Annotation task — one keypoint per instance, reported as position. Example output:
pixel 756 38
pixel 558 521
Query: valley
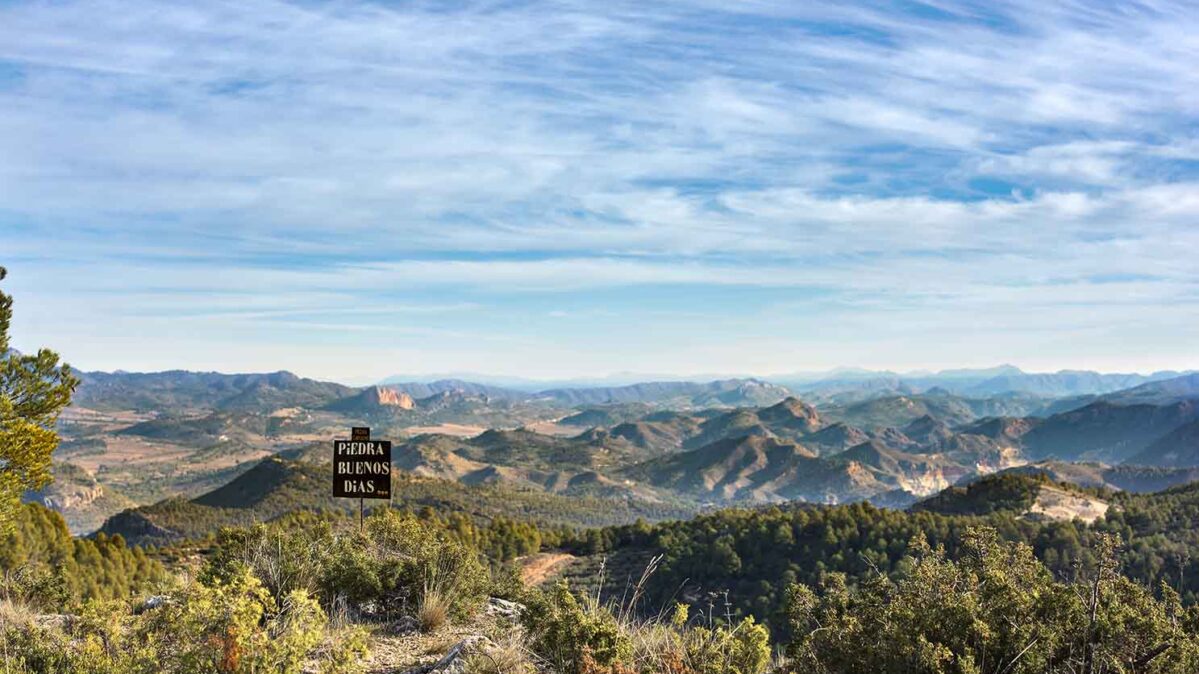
pixel 662 450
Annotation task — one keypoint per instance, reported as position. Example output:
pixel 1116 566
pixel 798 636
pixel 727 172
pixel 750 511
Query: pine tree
pixel 34 389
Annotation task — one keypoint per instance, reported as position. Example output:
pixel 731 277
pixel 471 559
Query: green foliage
pixel 101 568
pixel 585 637
pixel 409 556
pixel 502 521
pixel 571 636
pixel 390 565
pixel 217 628
pixel 233 627
pixel 33 390
pixel 996 609
pixel 753 554
pixel 1010 492
pixel 743 648
pixel 35 586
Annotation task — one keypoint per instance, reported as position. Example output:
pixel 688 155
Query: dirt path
pixel 537 569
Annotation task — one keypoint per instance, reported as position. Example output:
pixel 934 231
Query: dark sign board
pixel 361 466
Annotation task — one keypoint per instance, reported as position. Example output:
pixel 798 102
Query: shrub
pixel 743 648
pixel 391 562
pixel 571 636
pixel 37 586
pixel 29 648
pixel 285 558
pixel 235 627
pixel 996 604
pixel 403 556
pixel 231 626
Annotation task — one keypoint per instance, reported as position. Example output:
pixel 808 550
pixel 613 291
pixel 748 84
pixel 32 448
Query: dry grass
pixel 434 610
pixel 15 613
pixel 507 656
pixel 439 645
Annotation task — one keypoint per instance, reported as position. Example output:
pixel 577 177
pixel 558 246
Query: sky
pixel 354 190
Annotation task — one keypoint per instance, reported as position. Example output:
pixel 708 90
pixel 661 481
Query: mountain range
pixel 136 439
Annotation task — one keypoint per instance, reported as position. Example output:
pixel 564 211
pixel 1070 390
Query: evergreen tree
pixel 34 389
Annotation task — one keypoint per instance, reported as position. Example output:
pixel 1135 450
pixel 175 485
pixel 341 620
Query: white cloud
pixel 234 156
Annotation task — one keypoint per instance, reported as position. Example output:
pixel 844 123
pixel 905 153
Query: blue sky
pixel 550 189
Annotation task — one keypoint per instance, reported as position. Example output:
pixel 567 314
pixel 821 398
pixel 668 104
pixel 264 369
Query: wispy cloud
pixel 270 165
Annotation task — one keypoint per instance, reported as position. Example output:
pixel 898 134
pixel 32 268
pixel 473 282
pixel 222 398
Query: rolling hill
pixel 1104 431
pixel 1031 496
pixel 180 390
pixel 276 486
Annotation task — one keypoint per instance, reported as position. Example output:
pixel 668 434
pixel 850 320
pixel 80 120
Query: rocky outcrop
pixel 137 529
pixel 385 397
pixel 456 658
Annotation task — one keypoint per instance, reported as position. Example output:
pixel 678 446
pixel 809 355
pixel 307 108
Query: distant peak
pixel 385 397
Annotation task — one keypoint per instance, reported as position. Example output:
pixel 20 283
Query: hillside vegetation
pixel 279 486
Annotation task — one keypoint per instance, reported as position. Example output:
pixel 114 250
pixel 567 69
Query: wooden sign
pixel 361 466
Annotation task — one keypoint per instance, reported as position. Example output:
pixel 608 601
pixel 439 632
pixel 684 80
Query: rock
pixel 405 625
pixel 454 661
pixel 153 602
pixel 54 620
pixel 385 397
pixel 504 608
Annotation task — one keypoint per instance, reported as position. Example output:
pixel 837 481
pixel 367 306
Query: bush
pixel 409 557
pixel 285 558
pixel 392 563
pixel 583 637
pixel 743 648
pixel 232 626
pixel 36 586
pixel 996 604
pixel 572 637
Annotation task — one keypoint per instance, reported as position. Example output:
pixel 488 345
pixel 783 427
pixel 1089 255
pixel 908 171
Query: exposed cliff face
pixel 374 399
pixel 386 397
pixel 76 495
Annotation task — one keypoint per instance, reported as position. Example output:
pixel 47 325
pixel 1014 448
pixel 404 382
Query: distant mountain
pixel 181 390
pixel 1163 392
pixel 899 410
pixel 1126 477
pixel 1001 428
pixel 749 467
pixel 835 438
pixel 757 468
pixel 1103 431
pixel 843 388
pixel 727 392
pixel 665 431
pixel 1177 449
pixel 372 400
pixel 607 415
pixel 789 419
pixel 1063 383
pixel 201 431
pixel 418 390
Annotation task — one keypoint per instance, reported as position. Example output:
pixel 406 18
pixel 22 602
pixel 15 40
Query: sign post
pixel 361 469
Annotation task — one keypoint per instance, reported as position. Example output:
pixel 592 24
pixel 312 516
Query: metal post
pixel 360 515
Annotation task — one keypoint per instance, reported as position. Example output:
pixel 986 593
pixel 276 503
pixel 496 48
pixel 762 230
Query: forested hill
pixel 73 568
pixel 278 486
pixel 755 553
